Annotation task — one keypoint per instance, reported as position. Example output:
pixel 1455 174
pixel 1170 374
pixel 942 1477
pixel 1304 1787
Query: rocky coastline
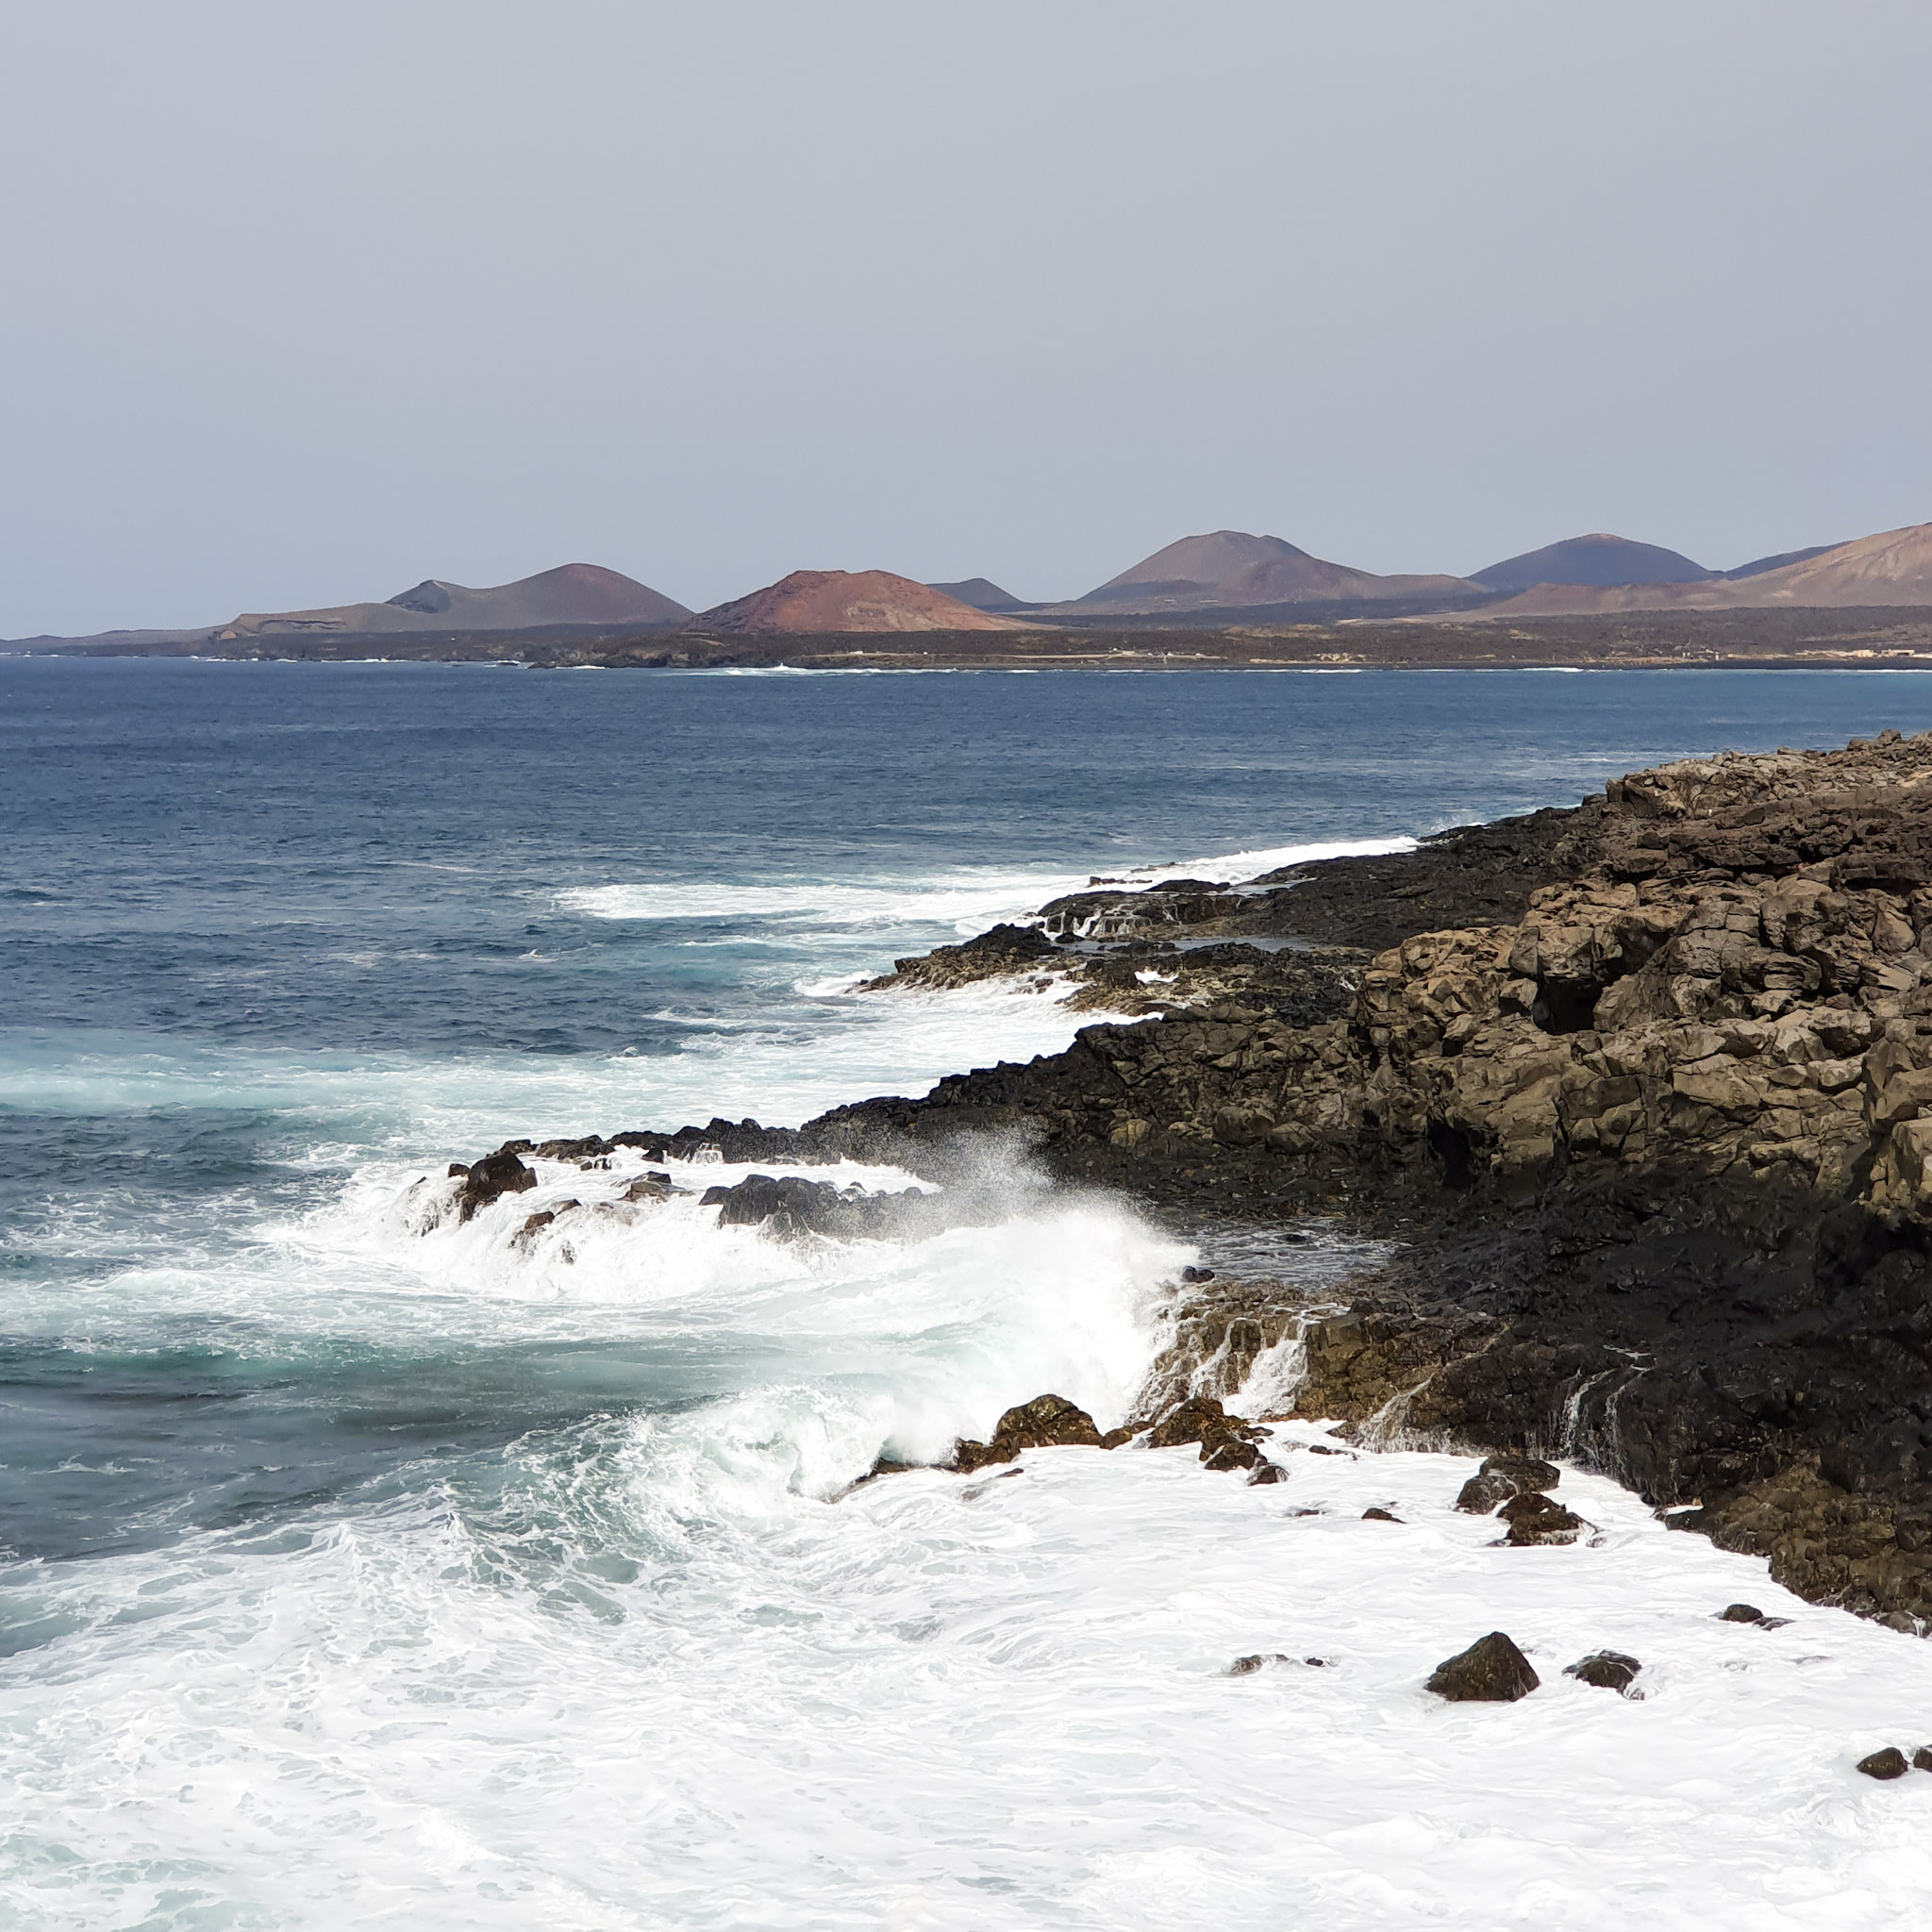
pixel 1638 1093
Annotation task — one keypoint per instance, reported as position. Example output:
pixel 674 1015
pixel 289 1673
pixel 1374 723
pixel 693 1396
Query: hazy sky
pixel 305 303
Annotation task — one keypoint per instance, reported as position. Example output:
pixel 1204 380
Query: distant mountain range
pixel 1221 578
pixel 1893 568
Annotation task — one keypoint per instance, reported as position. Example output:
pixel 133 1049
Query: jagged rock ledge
pixel 1645 1087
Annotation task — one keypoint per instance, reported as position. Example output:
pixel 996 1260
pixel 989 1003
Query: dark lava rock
pixel 650 1187
pixel 1481 1494
pixel 1608 1670
pixel 1229 1451
pixel 1921 1757
pixel 1535 1519
pixel 1197 1275
pixel 537 1221
pixel 491 1177
pixel 1379 1516
pixel 1525 1472
pixel 1047 1421
pixel 1490 1671
pixel 1267 1473
pixel 1888 1763
pixel 1741 1613
pixel 790 1204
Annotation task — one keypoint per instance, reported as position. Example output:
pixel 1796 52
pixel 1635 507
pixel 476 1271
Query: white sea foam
pixel 650 1680
pixel 968 898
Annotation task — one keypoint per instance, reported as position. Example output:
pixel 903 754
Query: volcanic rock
pixel 1047 1421
pixel 487 1179
pixel 1887 1763
pixel 1490 1671
pixel 1535 1519
pixel 1608 1670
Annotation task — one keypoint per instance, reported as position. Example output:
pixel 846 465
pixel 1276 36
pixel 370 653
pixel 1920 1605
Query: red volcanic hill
pixel 841 600
pixel 571 594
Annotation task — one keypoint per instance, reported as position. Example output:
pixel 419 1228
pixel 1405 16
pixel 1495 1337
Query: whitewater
pixel 363 1568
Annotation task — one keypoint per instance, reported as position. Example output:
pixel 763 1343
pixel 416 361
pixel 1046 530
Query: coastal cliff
pixel 1641 1092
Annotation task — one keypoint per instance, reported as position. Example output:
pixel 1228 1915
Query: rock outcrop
pixel 1490 1671
pixel 1643 1088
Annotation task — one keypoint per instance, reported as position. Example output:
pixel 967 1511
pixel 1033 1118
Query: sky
pixel 303 305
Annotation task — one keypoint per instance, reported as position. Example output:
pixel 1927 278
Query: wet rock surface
pixel 1607 1670
pixel 1490 1671
pixel 1887 1763
pixel 1047 1421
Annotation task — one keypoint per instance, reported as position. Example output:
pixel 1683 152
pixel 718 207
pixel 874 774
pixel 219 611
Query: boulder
pixel 1741 1613
pixel 1608 1670
pixel 1887 1763
pixel 1921 1757
pixel 489 1179
pixel 1525 1472
pixel 1047 1421
pixel 1267 1473
pixel 1535 1519
pixel 1378 1515
pixel 1481 1494
pixel 1490 1671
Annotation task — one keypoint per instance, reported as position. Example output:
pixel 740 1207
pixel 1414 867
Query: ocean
pixel 361 1569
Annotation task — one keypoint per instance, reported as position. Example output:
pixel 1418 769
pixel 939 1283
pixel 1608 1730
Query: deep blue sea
pixel 357 1569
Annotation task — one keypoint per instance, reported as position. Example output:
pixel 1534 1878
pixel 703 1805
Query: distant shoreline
pixel 1855 638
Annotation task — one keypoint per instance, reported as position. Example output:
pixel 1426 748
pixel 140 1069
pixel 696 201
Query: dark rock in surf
pixel 1380 1515
pixel 1247 1666
pixel 1535 1519
pixel 1527 1473
pixel 1741 1613
pixel 1887 1763
pixel 1607 1670
pixel 1490 1671
pixel 790 1204
pixel 1047 1421
pixel 1921 1757
pixel 1267 1473
pixel 1192 1421
pixel 1481 1494
pixel 490 1178
pixel 1229 1451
